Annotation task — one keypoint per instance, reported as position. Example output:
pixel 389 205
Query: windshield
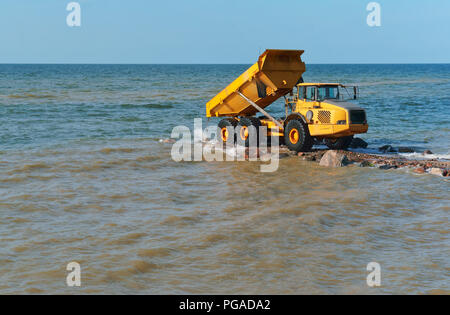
pixel 327 92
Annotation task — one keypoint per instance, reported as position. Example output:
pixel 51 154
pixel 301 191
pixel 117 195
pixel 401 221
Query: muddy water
pixel 83 177
pixel 138 222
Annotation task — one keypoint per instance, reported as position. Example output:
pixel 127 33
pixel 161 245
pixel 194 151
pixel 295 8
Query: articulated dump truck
pixel 313 111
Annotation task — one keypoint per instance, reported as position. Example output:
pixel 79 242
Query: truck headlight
pixel 342 122
pixel 309 115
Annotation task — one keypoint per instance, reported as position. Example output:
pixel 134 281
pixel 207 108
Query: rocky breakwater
pixel 387 157
pixel 386 160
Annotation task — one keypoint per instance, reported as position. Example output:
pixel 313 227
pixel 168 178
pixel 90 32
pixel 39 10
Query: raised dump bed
pixel 273 76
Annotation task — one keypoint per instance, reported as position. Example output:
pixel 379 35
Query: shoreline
pixel 342 158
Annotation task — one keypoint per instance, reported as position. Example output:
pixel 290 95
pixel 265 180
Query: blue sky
pixel 223 31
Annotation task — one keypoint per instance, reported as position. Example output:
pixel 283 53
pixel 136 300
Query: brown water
pixel 138 222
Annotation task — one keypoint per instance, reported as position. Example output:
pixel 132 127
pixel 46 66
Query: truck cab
pixel 329 112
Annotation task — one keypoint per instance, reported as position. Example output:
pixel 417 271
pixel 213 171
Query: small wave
pixel 147 158
pixel 141 266
pixel 438 292
pixel 392 82
pixel 127 239
pixel 149 106
pixel 31 167
pixel 176 220
pixel 95 166
pixel 28 96
pixel 154 252
pixel 21 248
pixel 13 179
pixel 117 150
pixel 214 238
pixel 20 220
pixel 34 290
pixel 134 267
pixel 421 156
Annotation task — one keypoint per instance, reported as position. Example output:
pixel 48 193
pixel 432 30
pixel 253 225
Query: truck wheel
pixel 245 132
pixel 297 137
pixel 255 122
pixel 226 129
pixel 339 143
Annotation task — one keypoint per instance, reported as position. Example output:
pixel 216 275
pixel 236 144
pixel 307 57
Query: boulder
pixel 358 143
pixel 405 150
pixel 366 164
pixel 333 158
pixel 427 152
pixel 438 171
pixel 387 149
pixel 309 158
pixel 386 167
pixel 419 170
pixel 283 149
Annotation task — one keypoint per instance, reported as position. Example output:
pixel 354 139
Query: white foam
pixel 421 156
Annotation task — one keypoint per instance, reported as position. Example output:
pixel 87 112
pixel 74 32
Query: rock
pixel 168 141
pixel 333 158
pixel 366 164
pixel 309 158
pixel 427 152
pixel 438 171
pixel 386 149
pixel 386 167
pixel 300 153
pixel 283 149
pixel 319 156
pixel 419 170
pixel 358 143
pixel 405 150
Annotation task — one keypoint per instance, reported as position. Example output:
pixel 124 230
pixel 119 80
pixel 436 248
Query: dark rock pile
pixel 340 158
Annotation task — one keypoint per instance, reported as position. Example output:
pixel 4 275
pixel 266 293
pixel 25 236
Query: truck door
pixel 311 96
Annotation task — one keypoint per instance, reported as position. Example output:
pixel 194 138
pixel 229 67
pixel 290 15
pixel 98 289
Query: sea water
pixel 86 176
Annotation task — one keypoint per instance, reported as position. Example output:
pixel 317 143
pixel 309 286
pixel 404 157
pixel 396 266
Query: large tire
pixel 244 132
pixel 339 143
pixel 227 129
pixel 255 121
pixel 297 137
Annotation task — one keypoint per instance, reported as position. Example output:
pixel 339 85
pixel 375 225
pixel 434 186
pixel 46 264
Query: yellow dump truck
pixel 320 111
